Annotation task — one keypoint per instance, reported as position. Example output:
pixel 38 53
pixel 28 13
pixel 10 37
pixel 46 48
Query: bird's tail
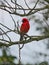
pixel 21 37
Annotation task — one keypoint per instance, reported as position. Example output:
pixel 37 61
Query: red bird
pixel 24 27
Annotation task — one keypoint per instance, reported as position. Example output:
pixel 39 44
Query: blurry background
pixel 35 52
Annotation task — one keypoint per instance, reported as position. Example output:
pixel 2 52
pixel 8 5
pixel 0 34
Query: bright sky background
pixel 30 51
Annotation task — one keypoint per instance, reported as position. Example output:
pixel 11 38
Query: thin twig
pixel 26 9
pixel 25 14
pixel 26 4
pixel 5 34
pixel 7 3
pixel 14 22
pixel 19 55
pixel 18 6
pixel 33 38
pixel 15 6
pixel 19 45
pixel 33 7
pixel 5 26
pixel 46 23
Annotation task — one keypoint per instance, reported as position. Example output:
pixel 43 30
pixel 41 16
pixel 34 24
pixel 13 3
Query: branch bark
pixel 31 38
pixel 14 10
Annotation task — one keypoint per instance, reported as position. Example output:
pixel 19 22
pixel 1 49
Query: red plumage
pixel 24 27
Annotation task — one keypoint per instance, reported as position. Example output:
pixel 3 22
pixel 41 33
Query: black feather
pixel 21 37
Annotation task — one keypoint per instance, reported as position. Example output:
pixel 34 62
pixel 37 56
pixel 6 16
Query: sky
pixel 29 52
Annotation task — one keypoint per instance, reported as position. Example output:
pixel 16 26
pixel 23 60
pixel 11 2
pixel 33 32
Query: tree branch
pixel 31 11
pixel 13 10
pixel 31 38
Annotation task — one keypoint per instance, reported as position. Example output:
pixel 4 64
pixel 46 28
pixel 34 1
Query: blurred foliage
pixel 43 27
pixel 44 63
pixel 47 1
pixel 6 59
pixel 46 15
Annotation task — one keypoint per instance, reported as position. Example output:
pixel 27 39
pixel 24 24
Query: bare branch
pixel 13 10
pixel 32 38
pixel 18 6
pixel 14 22
pixel 34 10
pixel 5 26
pixel 7 3
pixel 33 7
pixel 26 4
pixel 5 34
